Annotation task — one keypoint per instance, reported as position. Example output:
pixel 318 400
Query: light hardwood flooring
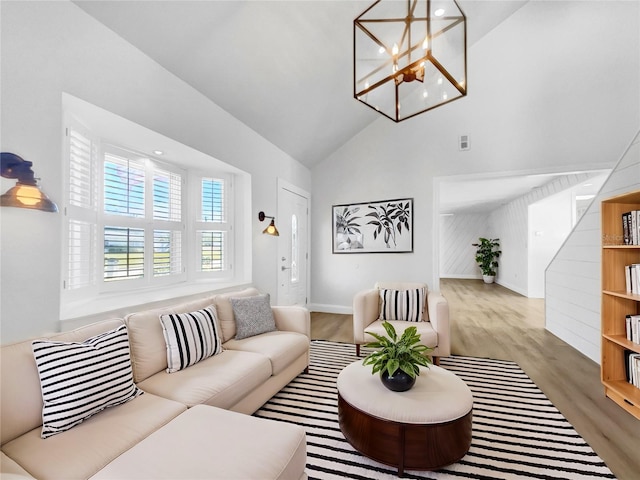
pixel 493 322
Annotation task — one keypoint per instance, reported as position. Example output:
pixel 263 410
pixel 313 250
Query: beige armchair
pixel 433 329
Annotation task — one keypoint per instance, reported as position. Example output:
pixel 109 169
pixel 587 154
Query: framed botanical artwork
pixel 373 227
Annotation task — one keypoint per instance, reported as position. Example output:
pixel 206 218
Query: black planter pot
pixel 398 382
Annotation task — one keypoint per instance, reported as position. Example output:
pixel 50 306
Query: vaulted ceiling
pixel 284 68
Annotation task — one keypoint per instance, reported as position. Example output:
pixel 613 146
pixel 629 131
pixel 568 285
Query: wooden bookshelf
pixel 617 302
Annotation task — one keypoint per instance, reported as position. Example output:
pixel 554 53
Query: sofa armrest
pixel 292 319
pixel 366 310
pixel 438 309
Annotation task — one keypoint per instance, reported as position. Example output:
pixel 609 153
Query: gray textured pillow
pixel 253 316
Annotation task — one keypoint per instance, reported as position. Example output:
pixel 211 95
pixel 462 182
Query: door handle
pixel 283 268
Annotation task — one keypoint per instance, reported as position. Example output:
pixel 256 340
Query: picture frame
pixel 384 226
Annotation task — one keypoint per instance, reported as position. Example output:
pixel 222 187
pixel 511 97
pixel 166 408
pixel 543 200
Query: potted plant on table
pixel 487 254
pixel 398 360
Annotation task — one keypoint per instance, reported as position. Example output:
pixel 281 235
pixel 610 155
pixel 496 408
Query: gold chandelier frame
pixel 421 51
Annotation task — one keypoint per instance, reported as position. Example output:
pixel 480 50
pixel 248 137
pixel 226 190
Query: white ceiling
pixel 284 68
pixel 474 195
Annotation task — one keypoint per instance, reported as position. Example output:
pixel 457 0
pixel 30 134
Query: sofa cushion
pixel 190 337
pixel 402 304
pixel 80 379
pixel 88 447
pixel 148 346
pixel 215 443
pixel 282 348
pixel 253 315
pixel 221 380
pixel 428 336
pixel 11 470
pixel 225 310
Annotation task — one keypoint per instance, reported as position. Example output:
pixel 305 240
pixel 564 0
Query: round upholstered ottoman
pixel 425 428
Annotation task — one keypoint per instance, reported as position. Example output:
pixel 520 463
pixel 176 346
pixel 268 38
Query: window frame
pixel 199 225
pixel 147 222
pixel 97 219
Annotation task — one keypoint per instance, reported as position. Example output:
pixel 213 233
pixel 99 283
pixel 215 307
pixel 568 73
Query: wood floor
pixel 493 322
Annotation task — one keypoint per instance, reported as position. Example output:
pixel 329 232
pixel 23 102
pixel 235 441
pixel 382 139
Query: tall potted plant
pixel 487 254
pixel 398 360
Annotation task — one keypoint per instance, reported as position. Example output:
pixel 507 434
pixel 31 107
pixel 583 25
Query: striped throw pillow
pixel 191 337
pixel 402 304
pixel 80 379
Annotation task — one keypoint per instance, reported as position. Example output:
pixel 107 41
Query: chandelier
pixel 409 56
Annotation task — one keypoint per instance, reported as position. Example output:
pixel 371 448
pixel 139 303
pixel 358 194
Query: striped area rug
pixel 517 432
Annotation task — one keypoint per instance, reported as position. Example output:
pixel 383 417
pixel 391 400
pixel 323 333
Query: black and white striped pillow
pixel 191 337
pixel 402 304
pixel 80 379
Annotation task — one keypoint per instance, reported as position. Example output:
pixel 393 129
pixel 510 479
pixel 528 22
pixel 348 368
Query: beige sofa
pixel 434 328
pixel 188 424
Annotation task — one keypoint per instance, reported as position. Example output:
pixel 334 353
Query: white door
pixel 293 257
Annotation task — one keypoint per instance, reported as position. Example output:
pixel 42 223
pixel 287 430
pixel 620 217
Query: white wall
pixel 457 234
pixel 573 278
pixel 550 221
pixel 511 225
pixel 536 103
pixel 49 48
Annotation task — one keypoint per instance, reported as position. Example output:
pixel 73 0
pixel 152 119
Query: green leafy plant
pixel 405 353
pixel 487 255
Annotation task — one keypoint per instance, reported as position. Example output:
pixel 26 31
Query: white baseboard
pixel 461 276
pixel 513 288
pixel 316 307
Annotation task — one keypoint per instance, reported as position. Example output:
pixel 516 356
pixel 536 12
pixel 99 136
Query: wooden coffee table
pixel 425 428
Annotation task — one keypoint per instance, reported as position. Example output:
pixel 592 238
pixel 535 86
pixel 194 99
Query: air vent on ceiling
pixel 464 142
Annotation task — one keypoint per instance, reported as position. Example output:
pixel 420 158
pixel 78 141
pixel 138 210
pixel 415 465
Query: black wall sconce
pixel 271 229
pixel 25 193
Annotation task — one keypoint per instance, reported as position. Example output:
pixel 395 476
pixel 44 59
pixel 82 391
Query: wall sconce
pixel 271 229
pixel 25 193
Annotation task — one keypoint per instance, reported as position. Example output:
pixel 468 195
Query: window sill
pixel 117 305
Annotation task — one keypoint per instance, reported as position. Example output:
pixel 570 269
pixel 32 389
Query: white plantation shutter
pixel 167 252
pixel 212 204
pixel 167 196
pixel 167 206
pixel 213 228
pixel 124 186
pixel 123 253
pixel 81 170
pixel 81 248
pixel 80 213
pixel 212 251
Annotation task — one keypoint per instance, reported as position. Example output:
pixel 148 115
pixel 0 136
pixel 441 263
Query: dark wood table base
pixel 406 446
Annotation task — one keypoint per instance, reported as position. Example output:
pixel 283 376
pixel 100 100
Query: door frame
pixel 285 185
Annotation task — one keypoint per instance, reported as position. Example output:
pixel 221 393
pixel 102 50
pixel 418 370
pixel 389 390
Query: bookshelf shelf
pixel 622 294
pixel 617 302
pixel 623 342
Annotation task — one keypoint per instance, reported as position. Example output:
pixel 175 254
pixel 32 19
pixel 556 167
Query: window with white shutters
pixel 211 240
pixel 139 225
pixel 128 221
